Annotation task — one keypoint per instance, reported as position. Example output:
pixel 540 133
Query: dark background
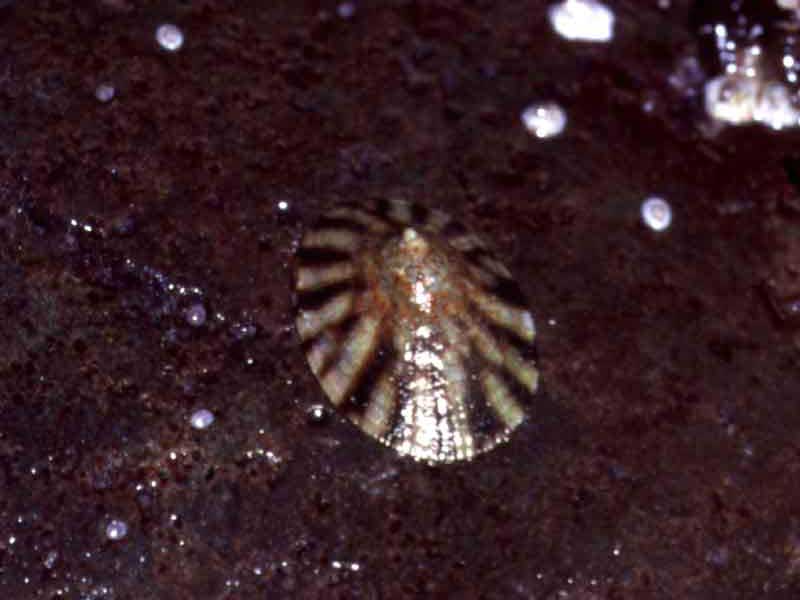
pixel 661 459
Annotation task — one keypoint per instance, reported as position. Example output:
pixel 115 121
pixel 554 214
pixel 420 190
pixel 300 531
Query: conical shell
pixel 414 329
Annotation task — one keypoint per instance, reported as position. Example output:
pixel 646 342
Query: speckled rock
pixel 660 458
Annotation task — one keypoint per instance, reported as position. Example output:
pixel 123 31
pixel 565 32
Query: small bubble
pixel 196 315
pixel 544 120
pixel 242 331
pixel 105 92
pixel 116 530
pixel 656 213
pixel 169 37
pixel 283 206
pixel 317 413
pixel 202 419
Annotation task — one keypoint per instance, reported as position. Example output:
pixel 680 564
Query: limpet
pixel 414 329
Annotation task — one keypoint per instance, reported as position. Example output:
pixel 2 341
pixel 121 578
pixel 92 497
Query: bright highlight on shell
pixel 415 331
pixel 544 120
pixel 656 213
pixel 582 20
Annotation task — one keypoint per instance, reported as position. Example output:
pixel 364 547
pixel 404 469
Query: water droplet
pixel 202 419
pixel 243 331
pixel 169 37
pixel 105 92
pixel 196 315
pixel 116 530
pixel 50 560
pixel 317 413
pixel 582 20
pixel 544 120
pixel 656 213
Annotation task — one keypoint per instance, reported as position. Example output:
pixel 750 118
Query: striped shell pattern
pixel 415 331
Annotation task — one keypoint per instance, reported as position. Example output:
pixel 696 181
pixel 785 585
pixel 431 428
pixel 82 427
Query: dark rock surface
pixel 661 460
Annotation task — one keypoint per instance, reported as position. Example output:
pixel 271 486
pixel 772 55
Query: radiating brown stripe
pixel 311 323
pixel 355 352
pixel 454 229
pixel 419 213
pixel 382 206
pixel 509 292
pixel 381 361
pixel 340 222
pixel 313 300
pixel 320 351
pixel 483 420
pixel 320 257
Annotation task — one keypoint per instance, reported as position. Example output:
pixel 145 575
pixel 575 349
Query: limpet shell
pixel 414 329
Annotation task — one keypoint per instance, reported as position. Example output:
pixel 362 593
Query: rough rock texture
pixel 662 458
